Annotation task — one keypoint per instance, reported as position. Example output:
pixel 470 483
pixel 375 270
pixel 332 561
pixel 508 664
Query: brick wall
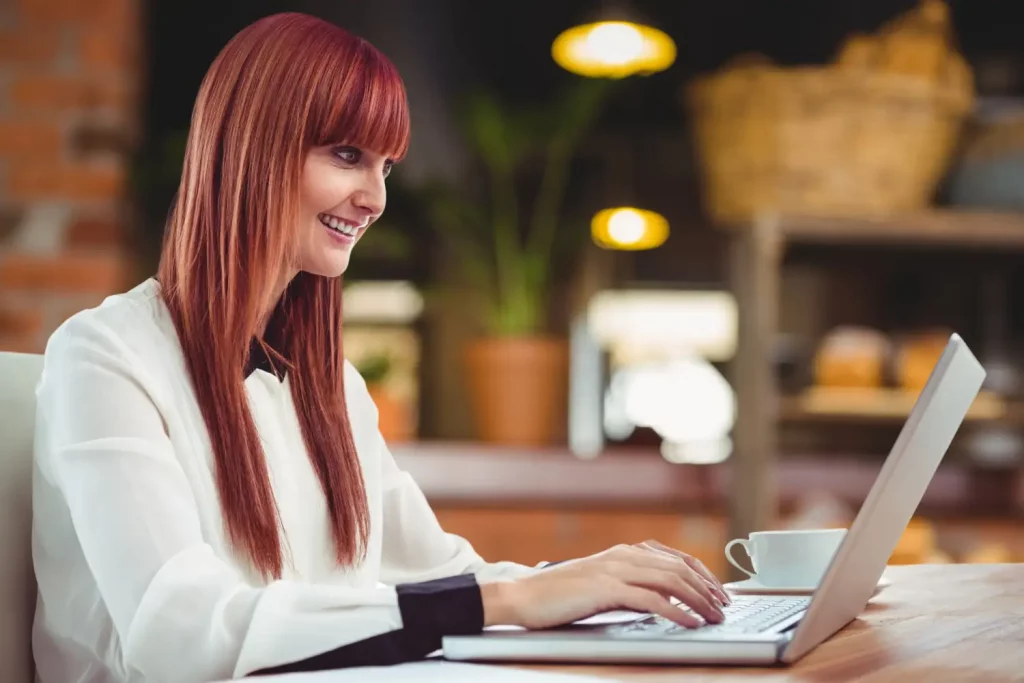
pixel 70 78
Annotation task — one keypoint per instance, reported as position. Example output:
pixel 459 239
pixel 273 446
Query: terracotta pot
pixel 393 414
pixel 519 388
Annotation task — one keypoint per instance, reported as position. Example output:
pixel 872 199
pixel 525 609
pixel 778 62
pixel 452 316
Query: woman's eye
pixel 348 155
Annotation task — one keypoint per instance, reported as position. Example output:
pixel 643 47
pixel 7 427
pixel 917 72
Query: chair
pixel 19 373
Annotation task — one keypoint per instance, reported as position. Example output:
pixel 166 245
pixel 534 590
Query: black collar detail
pixel 275 337
pixel 260 360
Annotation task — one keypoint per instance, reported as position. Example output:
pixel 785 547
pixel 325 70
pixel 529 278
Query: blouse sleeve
pixel 182 613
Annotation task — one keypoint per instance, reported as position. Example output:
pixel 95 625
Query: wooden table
pixel 936 623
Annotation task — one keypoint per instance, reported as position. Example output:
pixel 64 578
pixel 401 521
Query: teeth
pixel 335 224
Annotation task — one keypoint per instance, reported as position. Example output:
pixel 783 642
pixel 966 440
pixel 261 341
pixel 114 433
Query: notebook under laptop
pixel 778 629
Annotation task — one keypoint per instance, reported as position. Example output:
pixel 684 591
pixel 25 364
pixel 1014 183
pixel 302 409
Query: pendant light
pixel 623 225
pixel 628 228
pixel 616 43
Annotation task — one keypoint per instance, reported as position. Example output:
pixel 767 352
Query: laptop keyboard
pixel 746 614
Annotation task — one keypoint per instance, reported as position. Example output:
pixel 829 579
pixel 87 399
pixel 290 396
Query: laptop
pixel 766 630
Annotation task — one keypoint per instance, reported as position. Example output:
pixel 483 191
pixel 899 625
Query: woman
pixel 212 495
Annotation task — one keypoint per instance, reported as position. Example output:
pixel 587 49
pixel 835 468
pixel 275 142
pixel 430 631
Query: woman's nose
pixel 372 196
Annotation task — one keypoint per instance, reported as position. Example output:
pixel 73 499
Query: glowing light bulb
pixel 614 43
pixel 626 226
pixel 613 49
pixel 629 228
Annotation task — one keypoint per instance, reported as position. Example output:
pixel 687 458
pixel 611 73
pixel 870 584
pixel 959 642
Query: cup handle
pixel 746 548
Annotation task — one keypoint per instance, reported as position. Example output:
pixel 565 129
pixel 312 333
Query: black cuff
pixel 430 610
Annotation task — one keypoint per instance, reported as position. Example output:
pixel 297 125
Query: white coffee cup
pixel 794 558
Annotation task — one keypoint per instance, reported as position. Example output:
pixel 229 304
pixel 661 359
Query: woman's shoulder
pixel 135 322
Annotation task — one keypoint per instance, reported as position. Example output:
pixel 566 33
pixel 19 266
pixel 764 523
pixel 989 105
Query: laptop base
pixel 597 648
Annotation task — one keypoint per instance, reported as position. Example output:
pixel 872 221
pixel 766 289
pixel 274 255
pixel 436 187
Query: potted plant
pixel 393 416
pixel 505 234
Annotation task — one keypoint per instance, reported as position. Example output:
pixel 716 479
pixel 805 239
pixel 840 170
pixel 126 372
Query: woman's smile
pixel 340 229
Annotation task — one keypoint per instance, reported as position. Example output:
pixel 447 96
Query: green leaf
pixel 488 132
pixel 462 223
pixel 374 367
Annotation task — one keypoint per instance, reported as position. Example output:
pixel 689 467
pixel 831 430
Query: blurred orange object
pixel 851 357
pixel 394 418
pixel 917 545
pixel 988 553
pixel 917 357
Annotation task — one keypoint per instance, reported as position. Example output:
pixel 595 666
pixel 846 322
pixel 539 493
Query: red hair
pixel 281 86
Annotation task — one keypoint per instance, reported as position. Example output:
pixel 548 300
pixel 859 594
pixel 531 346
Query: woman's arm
pixel 638 577
pixel 183 614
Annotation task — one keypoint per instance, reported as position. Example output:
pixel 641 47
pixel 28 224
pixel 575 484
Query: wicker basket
pixel 845 139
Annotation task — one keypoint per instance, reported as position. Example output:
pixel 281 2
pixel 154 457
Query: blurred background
pixel 677 276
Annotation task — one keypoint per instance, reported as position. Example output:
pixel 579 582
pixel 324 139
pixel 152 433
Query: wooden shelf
pixel 939 228
pixel 883 405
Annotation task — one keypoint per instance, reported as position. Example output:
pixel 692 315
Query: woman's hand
pixel 639 577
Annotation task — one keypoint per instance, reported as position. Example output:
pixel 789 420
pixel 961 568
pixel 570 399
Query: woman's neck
pixel 275 299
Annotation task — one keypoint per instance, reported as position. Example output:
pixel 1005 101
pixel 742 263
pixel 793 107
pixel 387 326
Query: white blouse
pixel 137 578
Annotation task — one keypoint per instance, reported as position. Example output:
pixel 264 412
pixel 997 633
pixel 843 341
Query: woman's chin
pixel 333 267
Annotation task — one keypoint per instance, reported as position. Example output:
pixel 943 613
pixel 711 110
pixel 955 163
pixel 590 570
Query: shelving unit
pixel 757 254
pixel 883 405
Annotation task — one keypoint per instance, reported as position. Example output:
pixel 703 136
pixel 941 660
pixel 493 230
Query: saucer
pixel 754 587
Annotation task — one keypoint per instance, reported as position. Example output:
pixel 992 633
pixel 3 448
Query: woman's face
pixel 342 193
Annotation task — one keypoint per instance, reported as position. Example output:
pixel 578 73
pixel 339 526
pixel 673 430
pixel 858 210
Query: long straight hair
pixel 280 87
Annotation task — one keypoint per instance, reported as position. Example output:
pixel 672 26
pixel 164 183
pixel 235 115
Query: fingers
pixel 717 588
pixel 668 583
pixel 695 563
pixel 674 564
pixel 643 600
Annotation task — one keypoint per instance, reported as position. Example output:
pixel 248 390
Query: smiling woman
pixel 212 496
pixel 274 108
